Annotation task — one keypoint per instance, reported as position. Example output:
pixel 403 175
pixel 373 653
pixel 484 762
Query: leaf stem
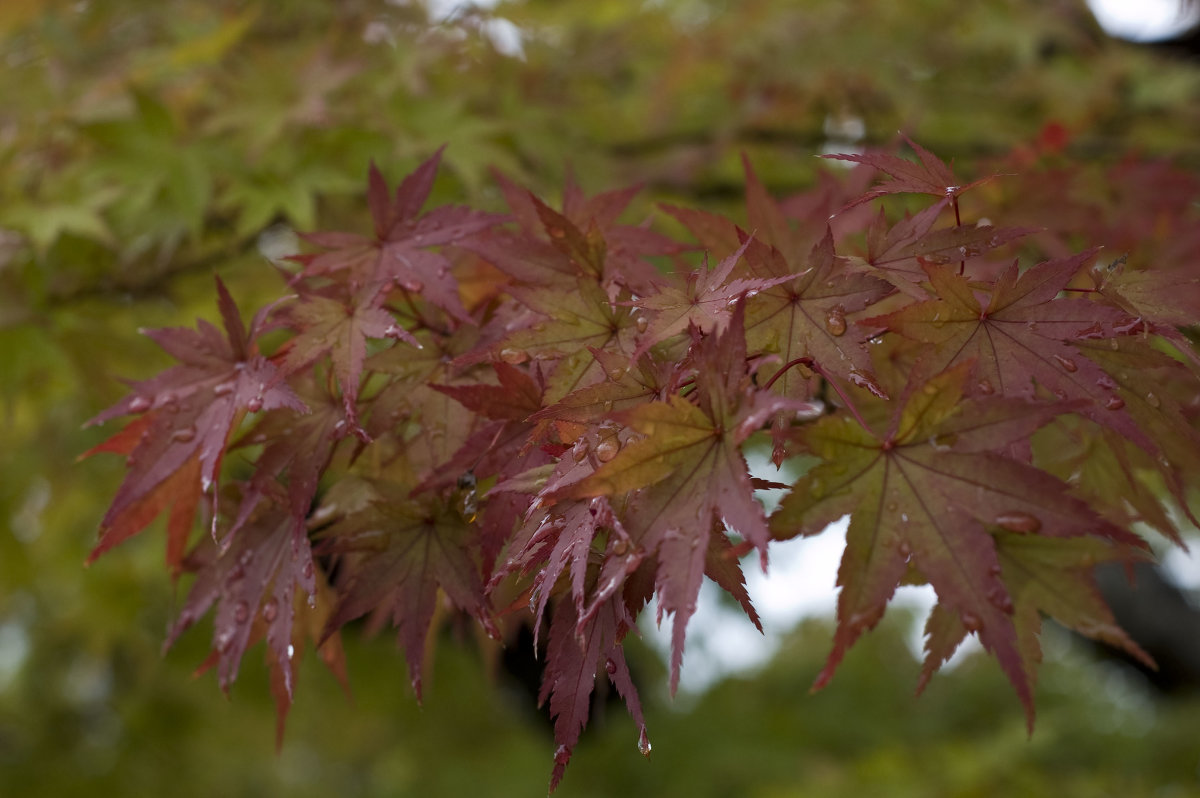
pixel 812 364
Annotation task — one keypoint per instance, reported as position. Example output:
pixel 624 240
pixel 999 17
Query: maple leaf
pixel 1022 339
pixel 928 175
pixel 690 474
pixel 253 582
pixel 339 329
pixel 1045 576
pixel 703 298
pixel 396 554
pixel 572 662
pixel 398 255
pixel 188 414
pixel 568 331
pixel 300 445
pixel 923 494
pixel 584 240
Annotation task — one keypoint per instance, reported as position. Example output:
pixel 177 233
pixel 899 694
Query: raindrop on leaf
pixel 1019 521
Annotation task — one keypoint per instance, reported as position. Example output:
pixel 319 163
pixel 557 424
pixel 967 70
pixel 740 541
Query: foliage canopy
pixel 550 408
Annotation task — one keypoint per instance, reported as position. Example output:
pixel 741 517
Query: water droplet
pixel 1060 393
pixel 835 321
pixel 168 400
pixel 185 435
pixel 312 601
pixel 254 404
pixel 1066 363
pixel 863 381
pixel 644 744
pixel 1153 400
pixel 904 518
pixel 610 666
pixel 139 404
pixel 270 609
pixel 223 641
pixel 607 406
pixel 1106 382
pixel 291 652
pixel 944 442
pixel 904 548
pixel 513 356
pixel 415 286
pixel 1019 521
pixel 562 755
pixel 607 449
pixel 1000 599
pixel 579 450
pixel 223 389
pixel 642 323
pixel 1114 403
pixel 971 622
pixel 985 387
pixel 620 547
pixel 241 613
pixel 307 570
pixel 556 232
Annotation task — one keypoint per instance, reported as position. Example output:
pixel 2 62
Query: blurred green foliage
pixel 144 146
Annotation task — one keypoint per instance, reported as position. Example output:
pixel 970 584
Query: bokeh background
pixel 145 146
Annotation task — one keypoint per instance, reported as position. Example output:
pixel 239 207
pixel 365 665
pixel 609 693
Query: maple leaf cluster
pixel 476 414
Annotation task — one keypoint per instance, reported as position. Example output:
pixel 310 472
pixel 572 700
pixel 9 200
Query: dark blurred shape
pixel 1160 618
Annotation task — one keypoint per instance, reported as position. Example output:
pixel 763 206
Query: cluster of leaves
pixel 467 413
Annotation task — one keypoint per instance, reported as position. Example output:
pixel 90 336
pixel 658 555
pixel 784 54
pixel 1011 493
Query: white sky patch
pixel 1144 20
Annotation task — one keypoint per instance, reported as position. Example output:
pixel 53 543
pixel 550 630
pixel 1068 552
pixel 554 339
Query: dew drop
pixel 607 449
pixel 254 404
pixel 185 435
pixel 513 356
pixel 620 548
pixel 291 652
pixel 241 613
pixel 139 404
pixel 1066 363
pixel 904 548
pixel 610 666
pixel 415 286
pixel 307 570
pixel 863 381
pixel 1114 403
pixel 1113 345
pixel 1153 400
pixel 1019 521
pixel 562 755
pixel 223 389
pixel 1106 382
pixel 642 324
pixel 312 601
pixel 579 450
pixel 224 641
pixel 971 622
pixel 835 321
pixel 556 232
pixel 985 387
pixel 167 399
pixel 904 518
pixel 270 609
pixel 644 744
pixel 1000 599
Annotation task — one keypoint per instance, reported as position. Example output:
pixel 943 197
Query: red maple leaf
pixel 399 254
pixel 689 473
pixel 928 493
pixel 394 556
pixel 188 414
